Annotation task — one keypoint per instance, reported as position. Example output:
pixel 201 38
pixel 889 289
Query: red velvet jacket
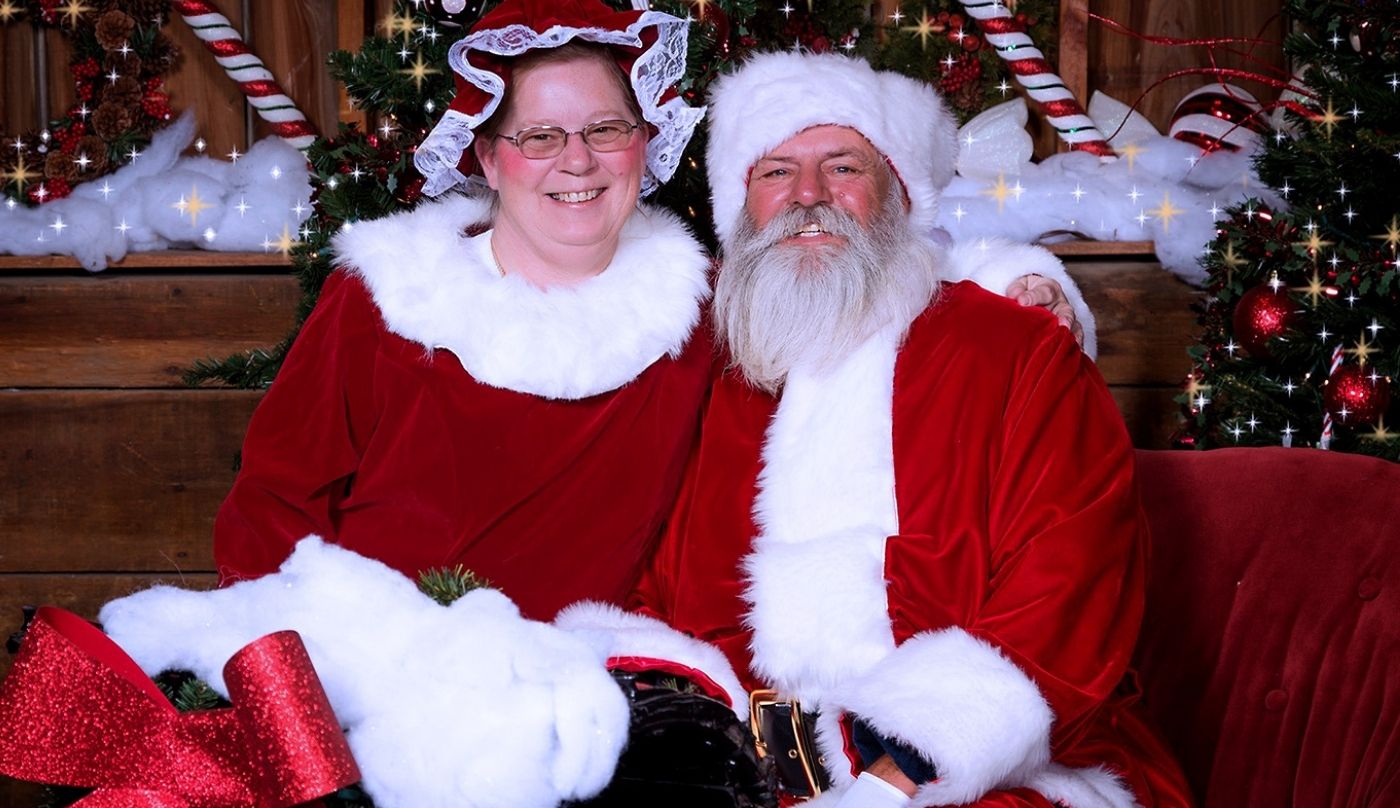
pixel 381 436
pixel 942 537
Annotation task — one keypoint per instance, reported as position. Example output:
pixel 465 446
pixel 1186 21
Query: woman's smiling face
pixel 579 197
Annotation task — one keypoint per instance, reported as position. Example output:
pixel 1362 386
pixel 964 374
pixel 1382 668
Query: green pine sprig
pixel 445 585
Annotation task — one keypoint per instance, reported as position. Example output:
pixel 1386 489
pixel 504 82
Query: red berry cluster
pixel 86 69
pixel 50 12
pixel 966 70
pixel 84 73
pixel 806 31
pixel 53 189
pixel 67 137
pixel 156 103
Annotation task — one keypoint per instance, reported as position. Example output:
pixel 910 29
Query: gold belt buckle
pixel 806 758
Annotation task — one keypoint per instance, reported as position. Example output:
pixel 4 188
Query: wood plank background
pixel 1124 67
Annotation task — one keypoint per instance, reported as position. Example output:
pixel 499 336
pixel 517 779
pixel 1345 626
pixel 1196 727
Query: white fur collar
pixel 826 504
pixel 438 287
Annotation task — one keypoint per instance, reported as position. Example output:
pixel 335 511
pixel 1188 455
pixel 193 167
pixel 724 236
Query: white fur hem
pixel 621 634
pixel 439 288
pixel 1090 787
pixel 972 712
pixel 994 263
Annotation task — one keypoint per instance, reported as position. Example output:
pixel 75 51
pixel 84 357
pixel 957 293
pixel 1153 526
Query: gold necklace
pixel 495 258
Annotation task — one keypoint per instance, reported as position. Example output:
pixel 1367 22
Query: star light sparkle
pixel 1316 290
pixel 925 28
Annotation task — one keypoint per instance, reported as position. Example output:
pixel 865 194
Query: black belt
pixel 784 733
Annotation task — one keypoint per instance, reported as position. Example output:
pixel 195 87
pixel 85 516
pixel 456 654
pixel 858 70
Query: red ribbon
pixel 77 711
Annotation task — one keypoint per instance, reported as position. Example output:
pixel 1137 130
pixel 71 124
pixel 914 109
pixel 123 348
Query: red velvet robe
pixel 1014 527
pixel 391 448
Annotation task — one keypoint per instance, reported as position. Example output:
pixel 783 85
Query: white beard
pixel 778 306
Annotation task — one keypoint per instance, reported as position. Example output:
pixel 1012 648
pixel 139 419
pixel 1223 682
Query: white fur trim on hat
pixel 774 96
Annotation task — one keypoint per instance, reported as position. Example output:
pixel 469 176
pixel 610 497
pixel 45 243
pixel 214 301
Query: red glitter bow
pixel 77 711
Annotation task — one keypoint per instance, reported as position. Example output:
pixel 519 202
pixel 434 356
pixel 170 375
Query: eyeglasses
pixel 543 142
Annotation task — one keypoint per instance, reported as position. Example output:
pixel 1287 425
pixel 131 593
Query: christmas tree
pixel 401 79
pixel 1301 335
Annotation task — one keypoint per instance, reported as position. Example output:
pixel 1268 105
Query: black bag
pixel 685 749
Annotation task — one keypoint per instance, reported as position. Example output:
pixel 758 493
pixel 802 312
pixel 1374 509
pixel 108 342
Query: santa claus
pixel 911 527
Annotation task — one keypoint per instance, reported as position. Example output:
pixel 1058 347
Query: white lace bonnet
pixel 650 46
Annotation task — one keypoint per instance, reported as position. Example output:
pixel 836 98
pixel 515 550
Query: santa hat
pixel 774 96
pixel 649 46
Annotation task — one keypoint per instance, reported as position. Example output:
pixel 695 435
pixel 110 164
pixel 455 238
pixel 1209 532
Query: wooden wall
pixel 1124 67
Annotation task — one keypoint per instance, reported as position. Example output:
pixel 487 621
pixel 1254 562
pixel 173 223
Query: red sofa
pixel 1270 651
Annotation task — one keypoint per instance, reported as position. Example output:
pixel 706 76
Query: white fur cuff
pixel 972 712
pixel 620 634
pixel 1090 787
pixel 994 263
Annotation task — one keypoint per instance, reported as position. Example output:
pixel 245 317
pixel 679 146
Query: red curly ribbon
pixel 77 711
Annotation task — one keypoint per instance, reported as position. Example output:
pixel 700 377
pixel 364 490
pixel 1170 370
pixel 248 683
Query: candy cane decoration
pixel 1326 441
pixel 247 70
pixel 1028 65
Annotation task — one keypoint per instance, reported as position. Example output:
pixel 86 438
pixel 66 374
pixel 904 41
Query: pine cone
pixel 111 120
pixel 161 56
pixel 125 91
pixel 96 150
pixel 146 10
pixel 114 29
pixel 59 166
pixel 128 64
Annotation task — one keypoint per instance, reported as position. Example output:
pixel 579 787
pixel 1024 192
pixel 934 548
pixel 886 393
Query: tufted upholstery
pixel 1270 652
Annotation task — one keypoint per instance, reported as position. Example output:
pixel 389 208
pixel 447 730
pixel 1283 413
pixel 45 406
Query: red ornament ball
pixel 1261 315
pixel 1218 116
pixel 411 193
pixel 454 13
pixel 1361 391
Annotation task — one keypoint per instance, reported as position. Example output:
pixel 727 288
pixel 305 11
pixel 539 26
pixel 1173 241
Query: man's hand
pixel 1038 290
pixel 885 769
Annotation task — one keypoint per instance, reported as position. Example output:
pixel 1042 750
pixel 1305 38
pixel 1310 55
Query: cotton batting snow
pixel 163 201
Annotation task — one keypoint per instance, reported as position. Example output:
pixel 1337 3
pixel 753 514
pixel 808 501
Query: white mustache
pixel 831 220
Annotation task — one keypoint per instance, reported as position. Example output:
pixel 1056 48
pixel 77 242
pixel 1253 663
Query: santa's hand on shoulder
pixel 1046 293
pixel 1028 274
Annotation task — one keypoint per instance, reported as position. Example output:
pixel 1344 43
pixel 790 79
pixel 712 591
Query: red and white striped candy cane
pixel 247 70
pixel 1326 441
pixel 1025 61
